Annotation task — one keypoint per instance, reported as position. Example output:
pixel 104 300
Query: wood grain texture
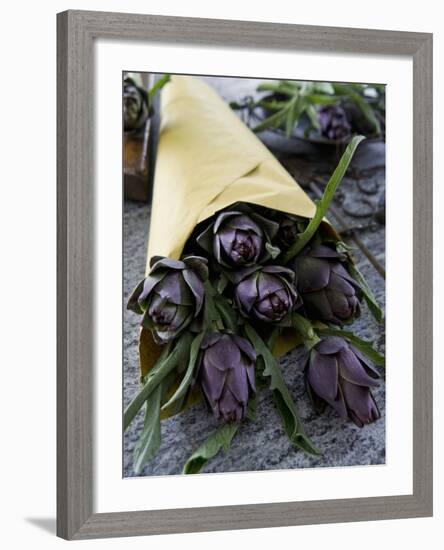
pixel 184 30
pixel 75 270
pixel 423 274
pixel 75 276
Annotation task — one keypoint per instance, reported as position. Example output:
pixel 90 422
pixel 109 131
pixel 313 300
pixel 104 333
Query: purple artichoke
pixel 338 374
pixel 289 228
pixel 226 375
pixel 237 239
pixel 135 106
pixel 268 294
pixel 329 292
pixel 288 231
pixel 333 122
pixel 171 297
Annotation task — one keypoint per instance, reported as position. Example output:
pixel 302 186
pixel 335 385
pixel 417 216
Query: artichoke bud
pixel 267 294
pixel 329 292
pixel 237 238
pixel 339 375
pixel 226 374
pixel 135 106
pixel 289 228
pixel 171 298
pixel 334 123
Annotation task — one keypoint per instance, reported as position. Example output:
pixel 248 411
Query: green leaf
pixel 305 328
pixel 235 105
pixel 320 99
pixel 272 105
pixel 361 103
pixel 247 103
pixel 369 297
pixel 162 368
pixel 150 438
pixel 213 319
pixel 324 87
pixel 267 87
pixel 288 115
pixel 281 395
pixel 217 440
pixel 343 248
pixel 323 205
pixel 274 251
pixel 367 111
pixel 221 283
pixel 165 352
pixel 313 117
pixel 271 341
pixel 273 121
pixel 188 377
pixel 282 87
pixel 227 313
pixel 364 346
pixel 158 85
pixel 252 406
pixel 295 108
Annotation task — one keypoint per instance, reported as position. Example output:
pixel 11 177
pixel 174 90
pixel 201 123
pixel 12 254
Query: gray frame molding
pixel 76 32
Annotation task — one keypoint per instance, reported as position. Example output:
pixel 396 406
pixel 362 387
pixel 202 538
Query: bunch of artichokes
pixel 242 246
pixel 248 279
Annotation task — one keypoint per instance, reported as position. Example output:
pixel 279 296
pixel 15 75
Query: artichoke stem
pixel 306 330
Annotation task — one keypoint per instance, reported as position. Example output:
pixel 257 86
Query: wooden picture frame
pixel 76 32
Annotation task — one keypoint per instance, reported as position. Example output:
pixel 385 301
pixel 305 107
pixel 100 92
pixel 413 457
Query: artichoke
pixel 238 239
pixel 338 374
pixel 135 106
pixel 268 294
pixel 333 122
pixel 290 227
pixel 328 291
pixel 171 297
pixel 227 375
pixel 288 231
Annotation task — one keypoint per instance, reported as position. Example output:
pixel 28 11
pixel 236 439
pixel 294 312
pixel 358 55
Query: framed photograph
pixel 244 275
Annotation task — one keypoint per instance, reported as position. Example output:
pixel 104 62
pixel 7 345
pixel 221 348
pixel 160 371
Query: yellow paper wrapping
pixel 208 159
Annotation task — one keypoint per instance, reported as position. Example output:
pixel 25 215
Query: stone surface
pixel 263 445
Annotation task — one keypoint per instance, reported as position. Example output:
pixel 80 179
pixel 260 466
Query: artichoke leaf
pixel 219 439
pixel 323 205
pixel 281 395
pixel 188 377
pixel 364 346
pixel 369 297
pixel 150 438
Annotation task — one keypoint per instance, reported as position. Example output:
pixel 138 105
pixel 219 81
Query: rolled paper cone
pixel 208 159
